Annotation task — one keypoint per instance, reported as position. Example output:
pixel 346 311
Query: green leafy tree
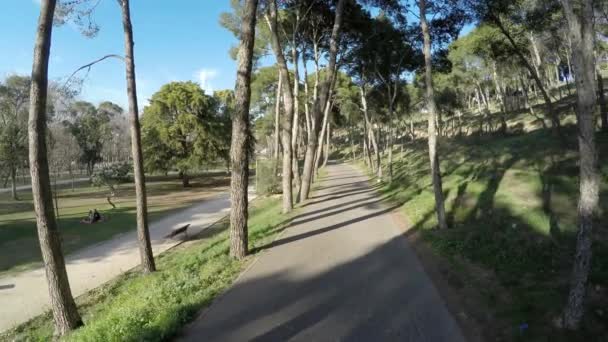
pixel 182 129
pixel 111 177
pixel 91 128
pixel 14 97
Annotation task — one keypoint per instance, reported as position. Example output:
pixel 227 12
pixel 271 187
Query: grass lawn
pixel 154 307
pixel 512 207
pixel 19 249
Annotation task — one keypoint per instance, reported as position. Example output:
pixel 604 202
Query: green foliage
pixel 91 128
pixel 183 128
pixel 112 176
pixel 155 307
pixel 512 211
pixel 14 100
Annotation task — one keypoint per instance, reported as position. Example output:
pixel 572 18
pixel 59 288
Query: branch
pixel 88 66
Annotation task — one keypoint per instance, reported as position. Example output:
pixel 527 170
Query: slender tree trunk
pixel 324 130
pixel 321 101
pixel 602 102
pixel 289 108
pixel 65 313
pixel 582 34
pixel 239 148
pixel 277 118
pixel 432 109
pixel 296 119
pixel 555 122
pixel 327 144
pixel 14 194
pixel 501 99
pixel 143 234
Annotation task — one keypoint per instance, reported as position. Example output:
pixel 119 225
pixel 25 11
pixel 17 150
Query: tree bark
pixel 327 145
pixel 14 194
pixel 296 117
pixel 501 100
pixel 582 34
pixel 602 102
pixel 321 101
pixel 432 109
pixel 65 313
pixel 289 108
pixel 277 118
pixel 143 234
pixel 239 147
pixel 377 167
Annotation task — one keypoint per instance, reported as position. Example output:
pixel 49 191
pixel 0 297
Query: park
pixel 313 170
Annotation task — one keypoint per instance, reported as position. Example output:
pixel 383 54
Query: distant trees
pixel 14 97
pixel 90 127
pixel 239 147
pixel 65 313
pixel 182 129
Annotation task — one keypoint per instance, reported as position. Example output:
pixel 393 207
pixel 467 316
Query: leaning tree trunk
pixel 65 313
pixel 289 108
pixel 432 109
pixel 239 148
pixel 143 234
pixel 555 122
pixel 582 33
pixel 320 102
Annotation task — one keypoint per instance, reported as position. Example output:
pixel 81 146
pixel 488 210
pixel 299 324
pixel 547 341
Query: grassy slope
pixel 511 202
pixel 155 307
pixel 18 240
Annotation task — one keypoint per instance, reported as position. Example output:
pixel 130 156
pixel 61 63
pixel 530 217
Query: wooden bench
pixel 178 231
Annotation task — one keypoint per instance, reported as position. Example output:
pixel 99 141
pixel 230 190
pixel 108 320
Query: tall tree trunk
pixel 239 147
pixel 377 168
pixel 65 313
pixel 602 102
pixel 143 234
pixel 501 100
pixel 432 109
pixel 555 122
pixel 582 34
pixel 289 108
pixel 324 130
pixel 277 118
pixel 14 194
pixel 327 144
pixel 321 101
pixel 296 117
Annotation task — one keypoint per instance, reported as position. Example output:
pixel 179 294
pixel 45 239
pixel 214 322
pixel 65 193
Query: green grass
pixel 18 238
pixel 512 207
pixel 155 307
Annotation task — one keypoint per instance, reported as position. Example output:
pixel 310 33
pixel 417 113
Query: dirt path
pixel 341 271
pixel 25 295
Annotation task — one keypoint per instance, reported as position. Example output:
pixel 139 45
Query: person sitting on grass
pixel 93 217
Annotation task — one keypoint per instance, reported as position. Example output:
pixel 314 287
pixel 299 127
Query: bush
pixel 267 178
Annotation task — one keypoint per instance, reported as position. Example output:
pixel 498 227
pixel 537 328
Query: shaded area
pixel 340 271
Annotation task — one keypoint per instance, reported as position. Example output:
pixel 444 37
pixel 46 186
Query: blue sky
pixel 175 40
pixel 179 40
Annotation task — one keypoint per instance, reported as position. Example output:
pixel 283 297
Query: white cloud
pixel 205 78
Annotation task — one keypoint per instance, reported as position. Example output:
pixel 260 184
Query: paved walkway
pixel 341 271
pixel 25 295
